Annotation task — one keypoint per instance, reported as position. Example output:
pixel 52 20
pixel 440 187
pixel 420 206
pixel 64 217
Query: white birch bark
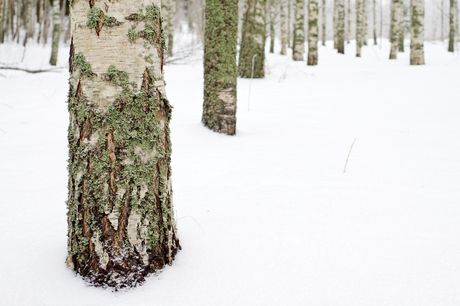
pixel 334 24
pixel 394 31
pixel 452 18
pixel 374 23
pixel 323 21
pixel 283 26
pixel 56 32
pixel 365 25
pixel 340 26
pixel 272 25
pixel 417 32
pixel 359 26
pixel 348 21
pixel 312 59
pixel 299 31
pixel 401 27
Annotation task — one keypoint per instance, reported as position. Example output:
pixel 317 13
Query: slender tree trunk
pixel 283 26
pixel 323 20
pixel 299 31
pixel 442 20
pixel 312 32
pixel 120 213
pixel 374 21
pixel 417 32
pixel 46 25
pixel 56 32
pixel 334 24
pixel 2 18
pixel 359 26
pixel 394 31
pixel 348 21
pixel 365 25
pixel 41 9
pixel 272 26
pixel 456 21
pixel 18 21
pixel 401 27
pixel 340 26
pixel 220 71
pixel 253 40
pixel 29 20
pixel 168 9
pixel 451 26
pixel 11 18
pixel 289 21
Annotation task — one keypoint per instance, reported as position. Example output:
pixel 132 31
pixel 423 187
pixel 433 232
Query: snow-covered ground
pixel 266 217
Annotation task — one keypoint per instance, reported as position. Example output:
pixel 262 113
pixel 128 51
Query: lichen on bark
pixel 312 59
pixel 220 70
pixel 417 32
pixel 299 31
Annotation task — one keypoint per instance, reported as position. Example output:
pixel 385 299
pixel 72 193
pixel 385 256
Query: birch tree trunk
pixel 452 18
pixel 283 26
pixel 56 32
pixel 323 20
pixel 348 21
pixel 253 40
pixel 417 32
pixel 168 11
pixel 299 31
pixel 46 25
pixel 359 26
pixel 2 18
pixel 374 23
pixel 394 31
pixel 272 26
pixel 289 21
pixel 341 26
pixel 365 25
pixel 41 9
pixel 29 20
pixel 401 27
pixel 312 59
pixel 120 213
pixel 220 71
pixel 334 24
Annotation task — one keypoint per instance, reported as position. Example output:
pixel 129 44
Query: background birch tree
pixel 323 22
pixel 365 25
pixel 56 32
pixel 452 17
pixel 220 71
pixel 312 59
pixel 394 28
pixel 283 26
pixel 417 32
pixel 252 45
pixel 348 21
pixel 401 27
pixel 374 22
pixel 120 213
pixel 359 26
pixel 335 24
pixel 272 25
pixel 341 26
pixel 168 11
pixel 299 31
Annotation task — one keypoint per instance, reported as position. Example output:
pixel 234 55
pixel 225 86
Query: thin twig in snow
pixel 348 156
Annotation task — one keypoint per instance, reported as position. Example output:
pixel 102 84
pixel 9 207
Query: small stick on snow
pixel 348 156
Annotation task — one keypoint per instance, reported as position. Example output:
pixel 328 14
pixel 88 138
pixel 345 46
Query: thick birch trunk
pixel 340 26
pixel 283 26
pixel 365 25
pixel 168 10
pixel 312 59
pixel 394 28
pixel 334 24
pixel 299 31
pixel 323 21
pixel 359 27
pixel 348 21
pixel 417 32
pixel 401 27
pixel 452 18
pixel 220 71
pixel 253 40
pixel 56 32
pixel 120 213
pixel 272 26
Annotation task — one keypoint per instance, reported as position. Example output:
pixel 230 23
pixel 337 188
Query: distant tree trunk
pixel 401 27
pixel 272 26
pixel 2 18
pixel 452 18
pixel 323 32
pixel 348 21
pixel 41 9
pixel 168 9
pixel 299 31
pixel 417 32
pixel 220 71
pixel 374 21
pixel 365 25
pixel 340 26
pixel 334 25
pixel 394 25
pixel 253 40
pixel 56 32
pixel 312 32
pixel 283 26
pixel 120 213
pixel 289 21
pixel 46 25
pixel 29 20
pixel 359 26
pixel 442 20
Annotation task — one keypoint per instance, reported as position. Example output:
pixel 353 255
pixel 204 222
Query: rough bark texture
pixel 401 28
pixel 56 32
pixel 417 32
pixel 272 25
pixel 253 40
pixel 374 23
pixel 452 18
pixel 168 11
pixel 312 59
pixel 348 21
pixel 283 26
pixel 220 71
pixel 334 24
pixel 359 27
pixel 323 21
pixel 394 28
pixel 120 212
pixel 299 31
pixel 365 25
pixel 341 26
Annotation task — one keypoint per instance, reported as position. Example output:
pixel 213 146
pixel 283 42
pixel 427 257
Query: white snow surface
pixel 266 217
